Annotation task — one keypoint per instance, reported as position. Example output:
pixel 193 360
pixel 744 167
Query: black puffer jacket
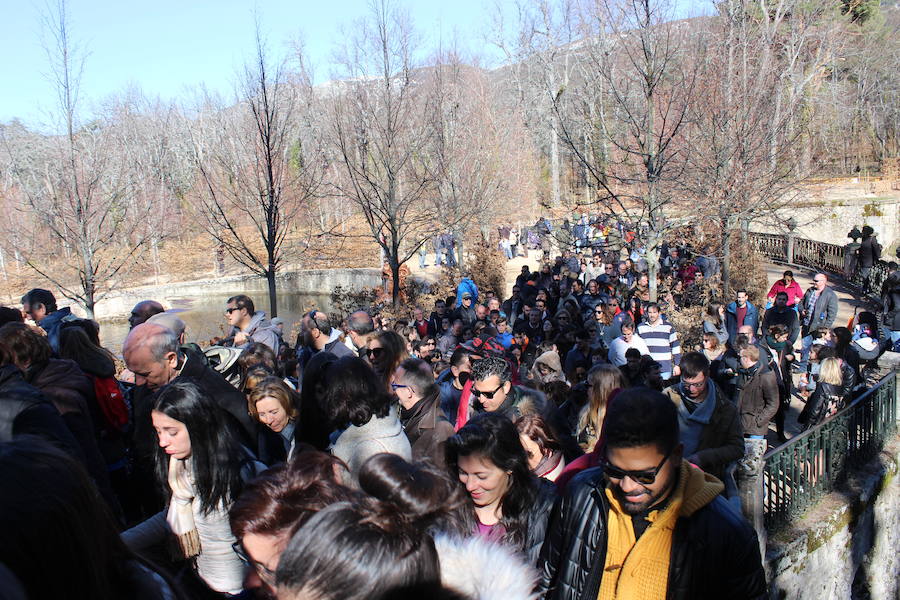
pixel 715 553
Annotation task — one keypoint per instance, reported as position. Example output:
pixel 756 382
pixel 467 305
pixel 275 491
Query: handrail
pixel 802 470
pixel 820 256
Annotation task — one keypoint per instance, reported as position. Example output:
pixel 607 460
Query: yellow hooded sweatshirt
pixel 640 571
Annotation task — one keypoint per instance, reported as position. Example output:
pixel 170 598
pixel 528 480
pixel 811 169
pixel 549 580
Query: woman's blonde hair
pixel 272 387
pixel 830 371
pixel 602 380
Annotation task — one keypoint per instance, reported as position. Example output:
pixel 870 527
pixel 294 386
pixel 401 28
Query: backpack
pixel 111 401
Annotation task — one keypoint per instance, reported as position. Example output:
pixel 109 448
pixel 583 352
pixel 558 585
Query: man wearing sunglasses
pixel 647 524
pixel 493 391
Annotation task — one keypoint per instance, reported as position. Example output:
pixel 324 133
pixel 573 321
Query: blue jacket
pixel 751 320
pixel 466 285
pixel 52 322
pixel 449 395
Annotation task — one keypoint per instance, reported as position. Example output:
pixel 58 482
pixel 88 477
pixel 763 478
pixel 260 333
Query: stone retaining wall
pixel 847 547
pixel 312 281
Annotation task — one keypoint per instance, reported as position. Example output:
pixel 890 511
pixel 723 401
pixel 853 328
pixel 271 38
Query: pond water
pixel 205 316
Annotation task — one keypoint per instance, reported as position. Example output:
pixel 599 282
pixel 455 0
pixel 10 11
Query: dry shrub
pixel 486 266
pixel 346 300
pixel 748 272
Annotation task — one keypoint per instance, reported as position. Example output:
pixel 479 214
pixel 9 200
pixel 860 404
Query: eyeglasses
pixel 374 352
pixel 397 386
pixel 641 477
pixel 693 386
pixel 478 393
pixel 228 311
pixel 264 572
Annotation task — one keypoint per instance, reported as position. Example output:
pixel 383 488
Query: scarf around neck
pixel 180 515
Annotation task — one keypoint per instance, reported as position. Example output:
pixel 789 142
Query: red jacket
pixel 793 291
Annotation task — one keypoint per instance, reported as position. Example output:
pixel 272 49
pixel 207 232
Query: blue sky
pixel 166 47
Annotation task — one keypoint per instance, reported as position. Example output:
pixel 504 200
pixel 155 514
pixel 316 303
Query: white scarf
pixel 180 516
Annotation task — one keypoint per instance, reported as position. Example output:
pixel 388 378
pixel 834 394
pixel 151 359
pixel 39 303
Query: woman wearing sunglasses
pixel 385 351
pixel 510 504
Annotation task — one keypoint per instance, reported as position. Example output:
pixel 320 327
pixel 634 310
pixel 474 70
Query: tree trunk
pixel 395 276
pixel 458 239
pixel 273 297
pixel 726 256
pixel 653 264
pixel 554 164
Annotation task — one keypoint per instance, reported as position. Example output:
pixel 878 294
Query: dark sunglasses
pixel 374 352
pixel 478 393
pixel 641 477
pixel 228 311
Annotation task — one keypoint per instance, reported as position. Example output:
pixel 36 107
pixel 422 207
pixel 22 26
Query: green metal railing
pixel 799 472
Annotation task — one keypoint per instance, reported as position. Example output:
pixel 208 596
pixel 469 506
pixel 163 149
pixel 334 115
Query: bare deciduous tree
pixel 90 220
pixel 380 135
pixel 259 168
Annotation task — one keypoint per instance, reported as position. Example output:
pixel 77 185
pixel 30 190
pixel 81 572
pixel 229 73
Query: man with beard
pixel 317 335
pixel 647 524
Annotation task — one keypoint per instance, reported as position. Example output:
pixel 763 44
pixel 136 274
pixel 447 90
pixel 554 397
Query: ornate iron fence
pixel 820 256
pixel 799 472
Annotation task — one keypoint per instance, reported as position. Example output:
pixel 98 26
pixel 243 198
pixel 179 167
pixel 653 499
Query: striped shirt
pixel 662 341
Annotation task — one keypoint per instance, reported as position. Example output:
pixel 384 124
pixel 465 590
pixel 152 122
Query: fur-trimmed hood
pixel 484 570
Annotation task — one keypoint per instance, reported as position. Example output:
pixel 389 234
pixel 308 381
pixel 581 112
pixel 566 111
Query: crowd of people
pixel 560 443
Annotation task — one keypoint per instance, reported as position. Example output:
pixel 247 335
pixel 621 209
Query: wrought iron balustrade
pixel 819 256
pixel 799 472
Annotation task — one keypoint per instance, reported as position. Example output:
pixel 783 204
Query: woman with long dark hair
pixel 201 467
pixel 359 407
pixel 58 539
pixel 714 321
pixel 510 504
pixel 445 509
pixel 386 349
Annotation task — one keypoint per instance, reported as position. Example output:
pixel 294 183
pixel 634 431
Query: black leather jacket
pixel 715 553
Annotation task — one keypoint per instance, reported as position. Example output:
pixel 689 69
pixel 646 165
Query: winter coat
pixel 260 330
pixel 825 401
pixel 758 398
pixel 52 323
pixel 722 440
pixel 25 411
pixel 751 319
pixel 484 570
pixel 869 252
pixel 72 392
pixel 787 317
pixel 794 291
pixel 427 429
pixel 825 311
pixel 466 315
pixel 355 445
pixel 714 554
